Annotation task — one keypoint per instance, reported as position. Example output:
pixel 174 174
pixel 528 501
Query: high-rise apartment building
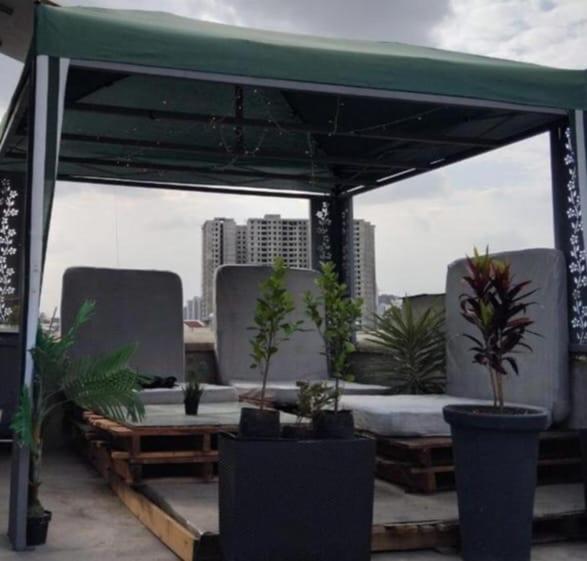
pixel 273 236
pixel 364 279
pixel 261 240
pixel 193 308
pixel 218 247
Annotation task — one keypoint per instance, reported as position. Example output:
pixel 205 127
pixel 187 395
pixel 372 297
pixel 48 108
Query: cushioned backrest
pixel 544 377
pixel 236 292
pixel 142 307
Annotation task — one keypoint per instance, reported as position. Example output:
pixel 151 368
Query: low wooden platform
pixel 425 465
pixel 165 443
pixel 131 449
pixel 183 511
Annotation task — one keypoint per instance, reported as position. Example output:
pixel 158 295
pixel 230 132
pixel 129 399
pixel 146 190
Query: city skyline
pixel 501 199
pixel 262 240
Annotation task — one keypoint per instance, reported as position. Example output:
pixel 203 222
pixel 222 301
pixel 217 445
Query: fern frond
pixel 22 420
pixel 106 384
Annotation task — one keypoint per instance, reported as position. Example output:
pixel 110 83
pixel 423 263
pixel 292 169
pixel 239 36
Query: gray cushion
pixel 236 292
pixel 166 396
pixel 141 307
pixel 544 378
pixel 287 392
pixel 404 415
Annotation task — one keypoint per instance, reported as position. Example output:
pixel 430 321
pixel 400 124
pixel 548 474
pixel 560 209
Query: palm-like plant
pixel 105 384
pixel 496 308
pixel 415 349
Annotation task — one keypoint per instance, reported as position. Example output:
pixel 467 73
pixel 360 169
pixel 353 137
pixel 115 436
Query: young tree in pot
pixel 313 398
pixel 335 314
pixel 105 384
pixel 271 327
pixel 495 447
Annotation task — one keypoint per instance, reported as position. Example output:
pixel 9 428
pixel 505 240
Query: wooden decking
pixel 425 465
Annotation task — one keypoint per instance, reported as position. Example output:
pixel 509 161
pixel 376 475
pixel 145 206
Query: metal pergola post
pixel 45 116
pixel 332 234
pixel 569 193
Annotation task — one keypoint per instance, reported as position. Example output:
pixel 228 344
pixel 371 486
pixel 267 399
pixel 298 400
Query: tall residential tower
pixel 261 240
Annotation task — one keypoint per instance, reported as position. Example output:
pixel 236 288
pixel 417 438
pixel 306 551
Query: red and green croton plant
pixel 497 308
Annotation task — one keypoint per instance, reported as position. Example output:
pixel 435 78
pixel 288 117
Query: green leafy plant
pixel 497 308
pixel 335 315
pixel 415 349
pixel 313 397
pixel 192 389
pixel 271 325
pixel 105 384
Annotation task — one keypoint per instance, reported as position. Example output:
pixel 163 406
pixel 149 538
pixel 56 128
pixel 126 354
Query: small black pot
pixel 36 529
pixel 191 406
pixel 334 424
pixel 583 439
pixel 259 423
pixel 297 432
pixel 495 467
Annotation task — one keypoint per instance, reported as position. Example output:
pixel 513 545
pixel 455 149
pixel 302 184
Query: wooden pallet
pixel 441 534
pixel 131 450
pixel 425 465
pixel 189 544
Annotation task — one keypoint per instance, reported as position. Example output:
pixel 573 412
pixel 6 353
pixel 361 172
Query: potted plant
pixel 309 498
pixel 105 384
pixel 335 315
pixel 192 392
pixel 271 327
pixel 313 398
pixel 415 349
pixel 495 446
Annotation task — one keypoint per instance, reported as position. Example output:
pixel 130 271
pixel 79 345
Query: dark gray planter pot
pixel 495 462
pixel 583 439
pixel 296 500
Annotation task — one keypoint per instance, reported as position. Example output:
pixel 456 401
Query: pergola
pixel 143 99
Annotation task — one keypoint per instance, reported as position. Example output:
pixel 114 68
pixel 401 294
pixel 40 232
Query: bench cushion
pixel 236 293
pixel 404 415
pixel 170 396
pixel 287 392
pixel 132 306
pixel 544 374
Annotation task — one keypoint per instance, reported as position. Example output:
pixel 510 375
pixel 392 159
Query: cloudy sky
pixel 501 199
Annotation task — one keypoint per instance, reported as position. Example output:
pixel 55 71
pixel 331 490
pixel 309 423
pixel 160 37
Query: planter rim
pixel 276 441
pixel 479 417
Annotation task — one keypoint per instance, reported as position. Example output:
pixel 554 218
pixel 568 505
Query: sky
pixel 501 199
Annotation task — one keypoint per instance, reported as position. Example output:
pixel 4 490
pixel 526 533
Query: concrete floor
pixel 90 524
pixel 197 502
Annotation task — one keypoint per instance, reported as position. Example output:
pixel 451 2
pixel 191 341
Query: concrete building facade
pixel 218 248
pixel 193 308
pixel 261 240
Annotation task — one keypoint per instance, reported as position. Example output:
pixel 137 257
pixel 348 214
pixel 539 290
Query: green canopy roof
pixel 164 40
pixel 273 112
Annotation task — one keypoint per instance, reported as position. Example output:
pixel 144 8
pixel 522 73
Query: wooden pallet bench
pixel 130 449
pixel 425 465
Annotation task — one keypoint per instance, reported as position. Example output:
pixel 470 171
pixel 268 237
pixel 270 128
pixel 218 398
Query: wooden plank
pixel 175 536
pixel 404 536
pixel 414 535
pixel 175 456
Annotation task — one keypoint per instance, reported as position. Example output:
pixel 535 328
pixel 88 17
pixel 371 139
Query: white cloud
pixel 502 198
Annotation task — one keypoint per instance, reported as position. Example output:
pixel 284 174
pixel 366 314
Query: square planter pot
pixel 293 500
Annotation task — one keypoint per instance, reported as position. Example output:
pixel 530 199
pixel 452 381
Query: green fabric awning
pixel 164 40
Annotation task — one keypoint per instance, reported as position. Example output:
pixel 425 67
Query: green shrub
pixel 415 349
